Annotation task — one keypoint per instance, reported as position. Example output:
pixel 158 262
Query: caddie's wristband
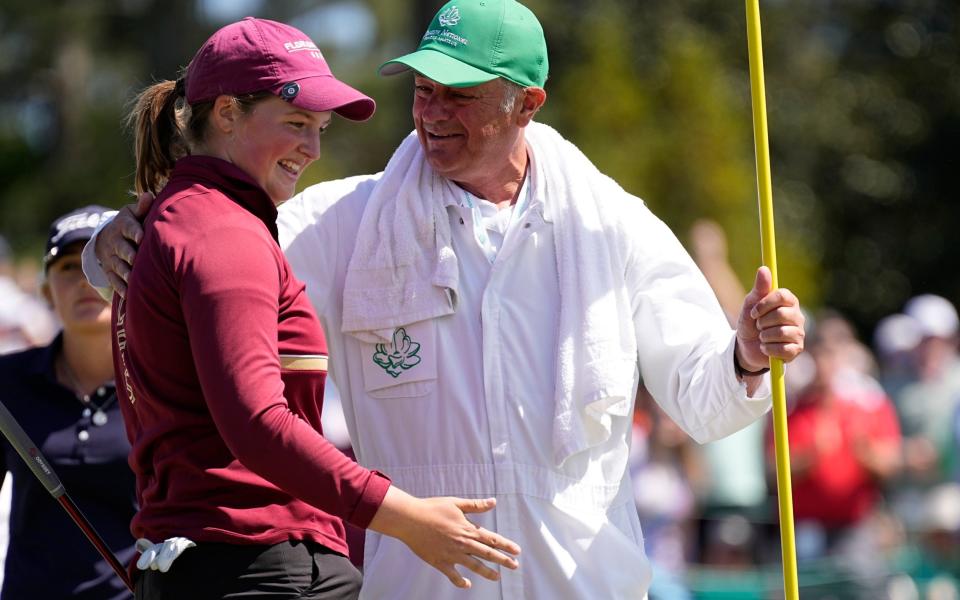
pixel 741 372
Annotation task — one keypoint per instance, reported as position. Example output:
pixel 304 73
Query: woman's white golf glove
pixel 160 556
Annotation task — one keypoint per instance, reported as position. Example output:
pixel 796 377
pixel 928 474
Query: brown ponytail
pixel 165 127
pixel 158 139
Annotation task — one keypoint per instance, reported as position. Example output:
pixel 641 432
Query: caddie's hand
pixel 437 531
pixel 770 325
pixel 117 242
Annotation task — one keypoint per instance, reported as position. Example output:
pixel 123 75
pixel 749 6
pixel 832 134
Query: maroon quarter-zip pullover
pixel 220 366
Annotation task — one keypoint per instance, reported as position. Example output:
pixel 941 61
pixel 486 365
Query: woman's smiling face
pixel 274 142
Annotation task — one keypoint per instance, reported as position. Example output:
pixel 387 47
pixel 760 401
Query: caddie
pixel 491 301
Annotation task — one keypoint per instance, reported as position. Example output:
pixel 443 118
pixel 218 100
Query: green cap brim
pixel 438 67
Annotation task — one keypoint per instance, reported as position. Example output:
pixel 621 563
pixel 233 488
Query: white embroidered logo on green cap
pixel 449 17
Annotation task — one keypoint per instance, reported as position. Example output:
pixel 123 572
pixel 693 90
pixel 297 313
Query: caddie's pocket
pixel 404 367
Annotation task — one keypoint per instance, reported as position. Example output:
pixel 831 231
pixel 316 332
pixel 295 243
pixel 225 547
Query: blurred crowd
pixel 25 320
pixel 874 432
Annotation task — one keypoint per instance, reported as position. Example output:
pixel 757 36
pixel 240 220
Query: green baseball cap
pixel 470 42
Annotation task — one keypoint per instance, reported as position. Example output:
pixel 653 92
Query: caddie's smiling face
pixel 465 133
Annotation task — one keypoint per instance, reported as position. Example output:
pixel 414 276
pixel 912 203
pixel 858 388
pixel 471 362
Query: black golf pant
pixel 300 570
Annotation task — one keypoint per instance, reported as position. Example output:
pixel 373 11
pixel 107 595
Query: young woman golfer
pixel 220 359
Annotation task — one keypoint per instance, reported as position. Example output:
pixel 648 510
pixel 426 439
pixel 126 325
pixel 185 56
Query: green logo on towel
pixel 398 356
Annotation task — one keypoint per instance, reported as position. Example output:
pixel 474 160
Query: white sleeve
pixel 317 229
pixel 685 344
pixel 91 266
pixel 309 243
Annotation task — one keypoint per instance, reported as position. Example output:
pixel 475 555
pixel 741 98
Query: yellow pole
pixel 769 256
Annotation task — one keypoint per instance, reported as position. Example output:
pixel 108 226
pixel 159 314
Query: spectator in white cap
pixel 895 339
pixel 928 405
pixel 938 325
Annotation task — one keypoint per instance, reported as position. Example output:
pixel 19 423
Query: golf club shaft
pixel 38 463
pixel 95 539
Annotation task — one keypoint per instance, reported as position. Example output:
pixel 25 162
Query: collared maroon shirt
pixel 226 438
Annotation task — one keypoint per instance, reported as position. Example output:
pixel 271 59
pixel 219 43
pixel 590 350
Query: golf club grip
pixel 29 452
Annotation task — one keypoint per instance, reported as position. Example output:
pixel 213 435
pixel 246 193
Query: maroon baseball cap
pixel 255 55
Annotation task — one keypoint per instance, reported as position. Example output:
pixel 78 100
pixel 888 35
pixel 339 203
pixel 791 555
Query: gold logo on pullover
pixel 122 347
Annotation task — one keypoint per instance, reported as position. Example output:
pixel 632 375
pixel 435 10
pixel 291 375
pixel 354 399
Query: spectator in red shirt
pixel 844 444
pixel 220 359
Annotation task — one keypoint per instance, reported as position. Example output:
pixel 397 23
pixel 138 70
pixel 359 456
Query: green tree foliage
pixel 657 107
pixel 68 71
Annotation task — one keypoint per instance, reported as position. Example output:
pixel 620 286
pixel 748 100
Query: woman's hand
pixel 437 531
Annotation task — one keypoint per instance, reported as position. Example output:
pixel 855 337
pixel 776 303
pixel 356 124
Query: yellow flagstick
pixel 769 254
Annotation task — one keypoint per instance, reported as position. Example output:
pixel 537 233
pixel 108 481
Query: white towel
pixel 403 270
pixel 597 348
